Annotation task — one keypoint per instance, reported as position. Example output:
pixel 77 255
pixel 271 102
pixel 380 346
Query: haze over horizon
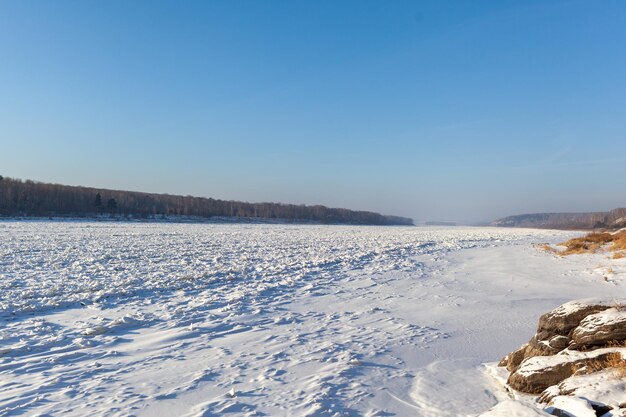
pixel 463 111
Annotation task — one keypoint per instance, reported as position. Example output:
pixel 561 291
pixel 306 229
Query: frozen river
pixel 157 319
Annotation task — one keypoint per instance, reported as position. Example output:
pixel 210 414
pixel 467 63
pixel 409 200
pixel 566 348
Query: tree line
pixel 37 199
pixel 614 219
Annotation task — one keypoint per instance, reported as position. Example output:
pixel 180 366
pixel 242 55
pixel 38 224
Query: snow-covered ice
pixel 153 319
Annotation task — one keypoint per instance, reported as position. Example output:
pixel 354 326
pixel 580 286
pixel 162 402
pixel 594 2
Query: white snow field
pixel 154 319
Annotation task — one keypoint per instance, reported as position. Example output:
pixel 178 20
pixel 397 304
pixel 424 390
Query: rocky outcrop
pixel 579 386
pixel 576 362
pixel 565 318
pixel 555 352
pixel 538 373
pixel 600 330
pixel 554 332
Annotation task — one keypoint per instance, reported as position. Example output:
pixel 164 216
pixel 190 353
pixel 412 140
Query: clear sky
pixel 438 110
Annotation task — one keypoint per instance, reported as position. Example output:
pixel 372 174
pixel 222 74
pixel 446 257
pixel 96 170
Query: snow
pixel 607 317
pixel 574 406
pixel 511 408
pixel 598 385
pixel 576 305
pixel 154 319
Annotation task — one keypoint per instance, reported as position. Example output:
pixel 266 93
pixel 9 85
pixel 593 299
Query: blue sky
pixel 468 110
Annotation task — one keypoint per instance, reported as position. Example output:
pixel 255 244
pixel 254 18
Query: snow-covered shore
pixel 200 319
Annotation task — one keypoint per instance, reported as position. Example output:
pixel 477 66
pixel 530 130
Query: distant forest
pixel 35 199
pixel 614 219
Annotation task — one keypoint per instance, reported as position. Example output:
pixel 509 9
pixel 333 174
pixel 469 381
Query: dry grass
pixel 548 248
pixel 613 361
pixel 618 363
pixel 591 242
pixel 619 241
pixel 619 255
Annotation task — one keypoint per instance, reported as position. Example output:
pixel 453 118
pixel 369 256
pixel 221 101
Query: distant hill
pixel 614 219
pixel 36 199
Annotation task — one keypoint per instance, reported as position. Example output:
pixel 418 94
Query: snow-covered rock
pixel 576 360
pixel 566 317
pixel 554 331
pixel 599 329
pixel 595 385
pixel 540 372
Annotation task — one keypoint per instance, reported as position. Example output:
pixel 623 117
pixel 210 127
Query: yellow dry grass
pixel 614 361
pixel 619 241
pixel 548 248
pixel 591 242
pixel 617 362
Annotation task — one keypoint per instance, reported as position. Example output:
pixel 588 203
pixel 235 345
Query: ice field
pixel 163 319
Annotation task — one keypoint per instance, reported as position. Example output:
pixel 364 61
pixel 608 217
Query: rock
pixel 563 319
pixel 600 409
pixel 600 329
pixel 513 359
pixel 553 332
pixel 533 348
pixel 544 377
pixel 557 412
pixel 589 385
pixel 503 362
pixel 574 361
pixel 536 374
pixel 558 343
